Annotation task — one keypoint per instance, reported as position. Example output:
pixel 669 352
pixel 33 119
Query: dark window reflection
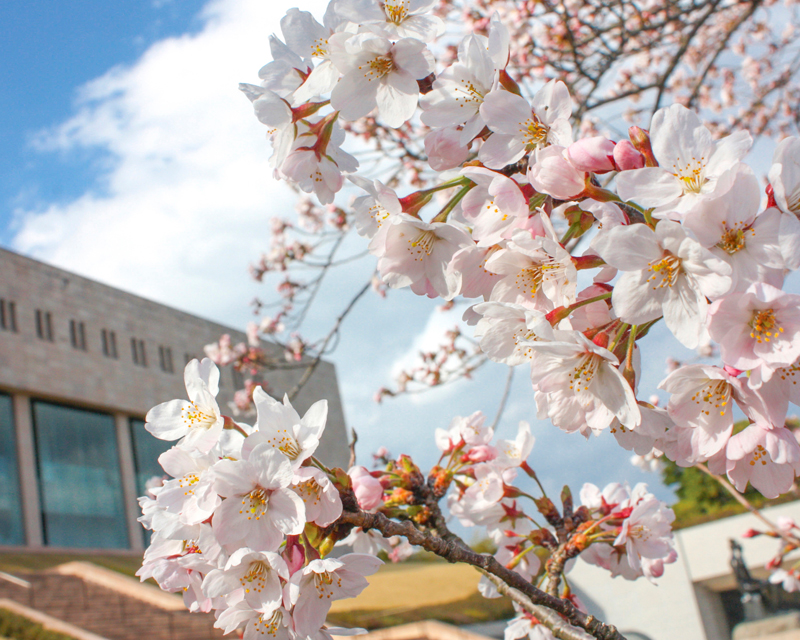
pixel 79 477
pixel 146 449
pixel 11 532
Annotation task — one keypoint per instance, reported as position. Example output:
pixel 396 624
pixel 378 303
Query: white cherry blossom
pixel 259 508
pixel 398 18
pixel 665 272
pixel 759 328
pixel 578 384
pixel 279 426
pixel 690 163
pixel 198 422
pixel 313 590
pixel 377 72
pixel 458 92
pixel 519 127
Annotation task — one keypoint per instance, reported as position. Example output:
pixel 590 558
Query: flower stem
pixel 442 215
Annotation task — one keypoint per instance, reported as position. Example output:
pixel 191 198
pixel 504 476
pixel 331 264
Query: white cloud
pixel 185 195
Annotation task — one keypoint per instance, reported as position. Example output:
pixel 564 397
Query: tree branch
pixel 453 552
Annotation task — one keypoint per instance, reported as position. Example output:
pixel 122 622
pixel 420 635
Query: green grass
pixel 17 627
pixel 13 562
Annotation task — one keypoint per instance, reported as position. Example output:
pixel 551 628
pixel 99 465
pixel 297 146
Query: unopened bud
pixel 641 140
pixel 626 157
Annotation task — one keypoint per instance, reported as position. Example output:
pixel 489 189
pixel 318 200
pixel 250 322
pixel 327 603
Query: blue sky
pixel 50 49
pixel 129 156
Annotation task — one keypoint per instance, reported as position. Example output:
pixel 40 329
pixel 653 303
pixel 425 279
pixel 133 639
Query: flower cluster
pixel 248 517
pixel 682 237
pixel 233 526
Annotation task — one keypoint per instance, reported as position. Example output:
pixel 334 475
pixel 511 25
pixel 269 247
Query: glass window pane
pixel 79 478
pixel 146 449
pixel 11 532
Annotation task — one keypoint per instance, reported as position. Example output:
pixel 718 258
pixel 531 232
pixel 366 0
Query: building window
pixel 109 344
pixel 146 449
pixel 79 477
pixel 44 325
pixel 77 335
pixel 8 315
pixel 11 531
pixel 165 359
pixel 138 353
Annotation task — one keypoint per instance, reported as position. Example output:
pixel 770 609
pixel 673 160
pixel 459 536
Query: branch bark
pixel 451 551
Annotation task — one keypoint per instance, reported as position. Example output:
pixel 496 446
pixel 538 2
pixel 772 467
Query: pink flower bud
pixel 592 154
pixel 552 173
pixel 751 533
pixel 481 453
pixel 626 156
pixel 293 554
pixel 368 490
pixel 444 149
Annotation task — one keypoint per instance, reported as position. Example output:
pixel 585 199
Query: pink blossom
pixel 592 155
pixel 367 488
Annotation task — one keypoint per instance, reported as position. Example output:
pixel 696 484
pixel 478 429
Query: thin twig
pixel 504 399
pixel 315 362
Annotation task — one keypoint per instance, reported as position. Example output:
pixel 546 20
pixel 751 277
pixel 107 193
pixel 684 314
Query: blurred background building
pixel 81 363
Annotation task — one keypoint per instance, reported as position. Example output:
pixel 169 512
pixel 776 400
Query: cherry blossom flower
pixel 690 162
pixel 256 575
pixel 398 18
pixel 519 127
pixel 313 590
pixel 731 228
pixel 579 385
pixel 320 496
pixel 379 73
pixel 259 508
pixel 784 175
pixel 504 329
pixel 444 149
pixel 279 426
pixel 373 210
pixel 198 422
pixel 665 272
pixel 759 328
pixel 191 493
pixel 417 254
pixel 494 208
pixel 368 489
pixel 458 92
pixel 535 272
pixel 766 457
pixel 309 39
pixel 787 579
pixel 703 398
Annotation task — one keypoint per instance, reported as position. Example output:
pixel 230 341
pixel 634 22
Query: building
pixel 81 363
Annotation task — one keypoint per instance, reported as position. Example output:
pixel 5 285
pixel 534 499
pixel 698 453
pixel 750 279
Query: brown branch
pixel 560 628
pixel 676 59
pixel 720 48
pixel 451 551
